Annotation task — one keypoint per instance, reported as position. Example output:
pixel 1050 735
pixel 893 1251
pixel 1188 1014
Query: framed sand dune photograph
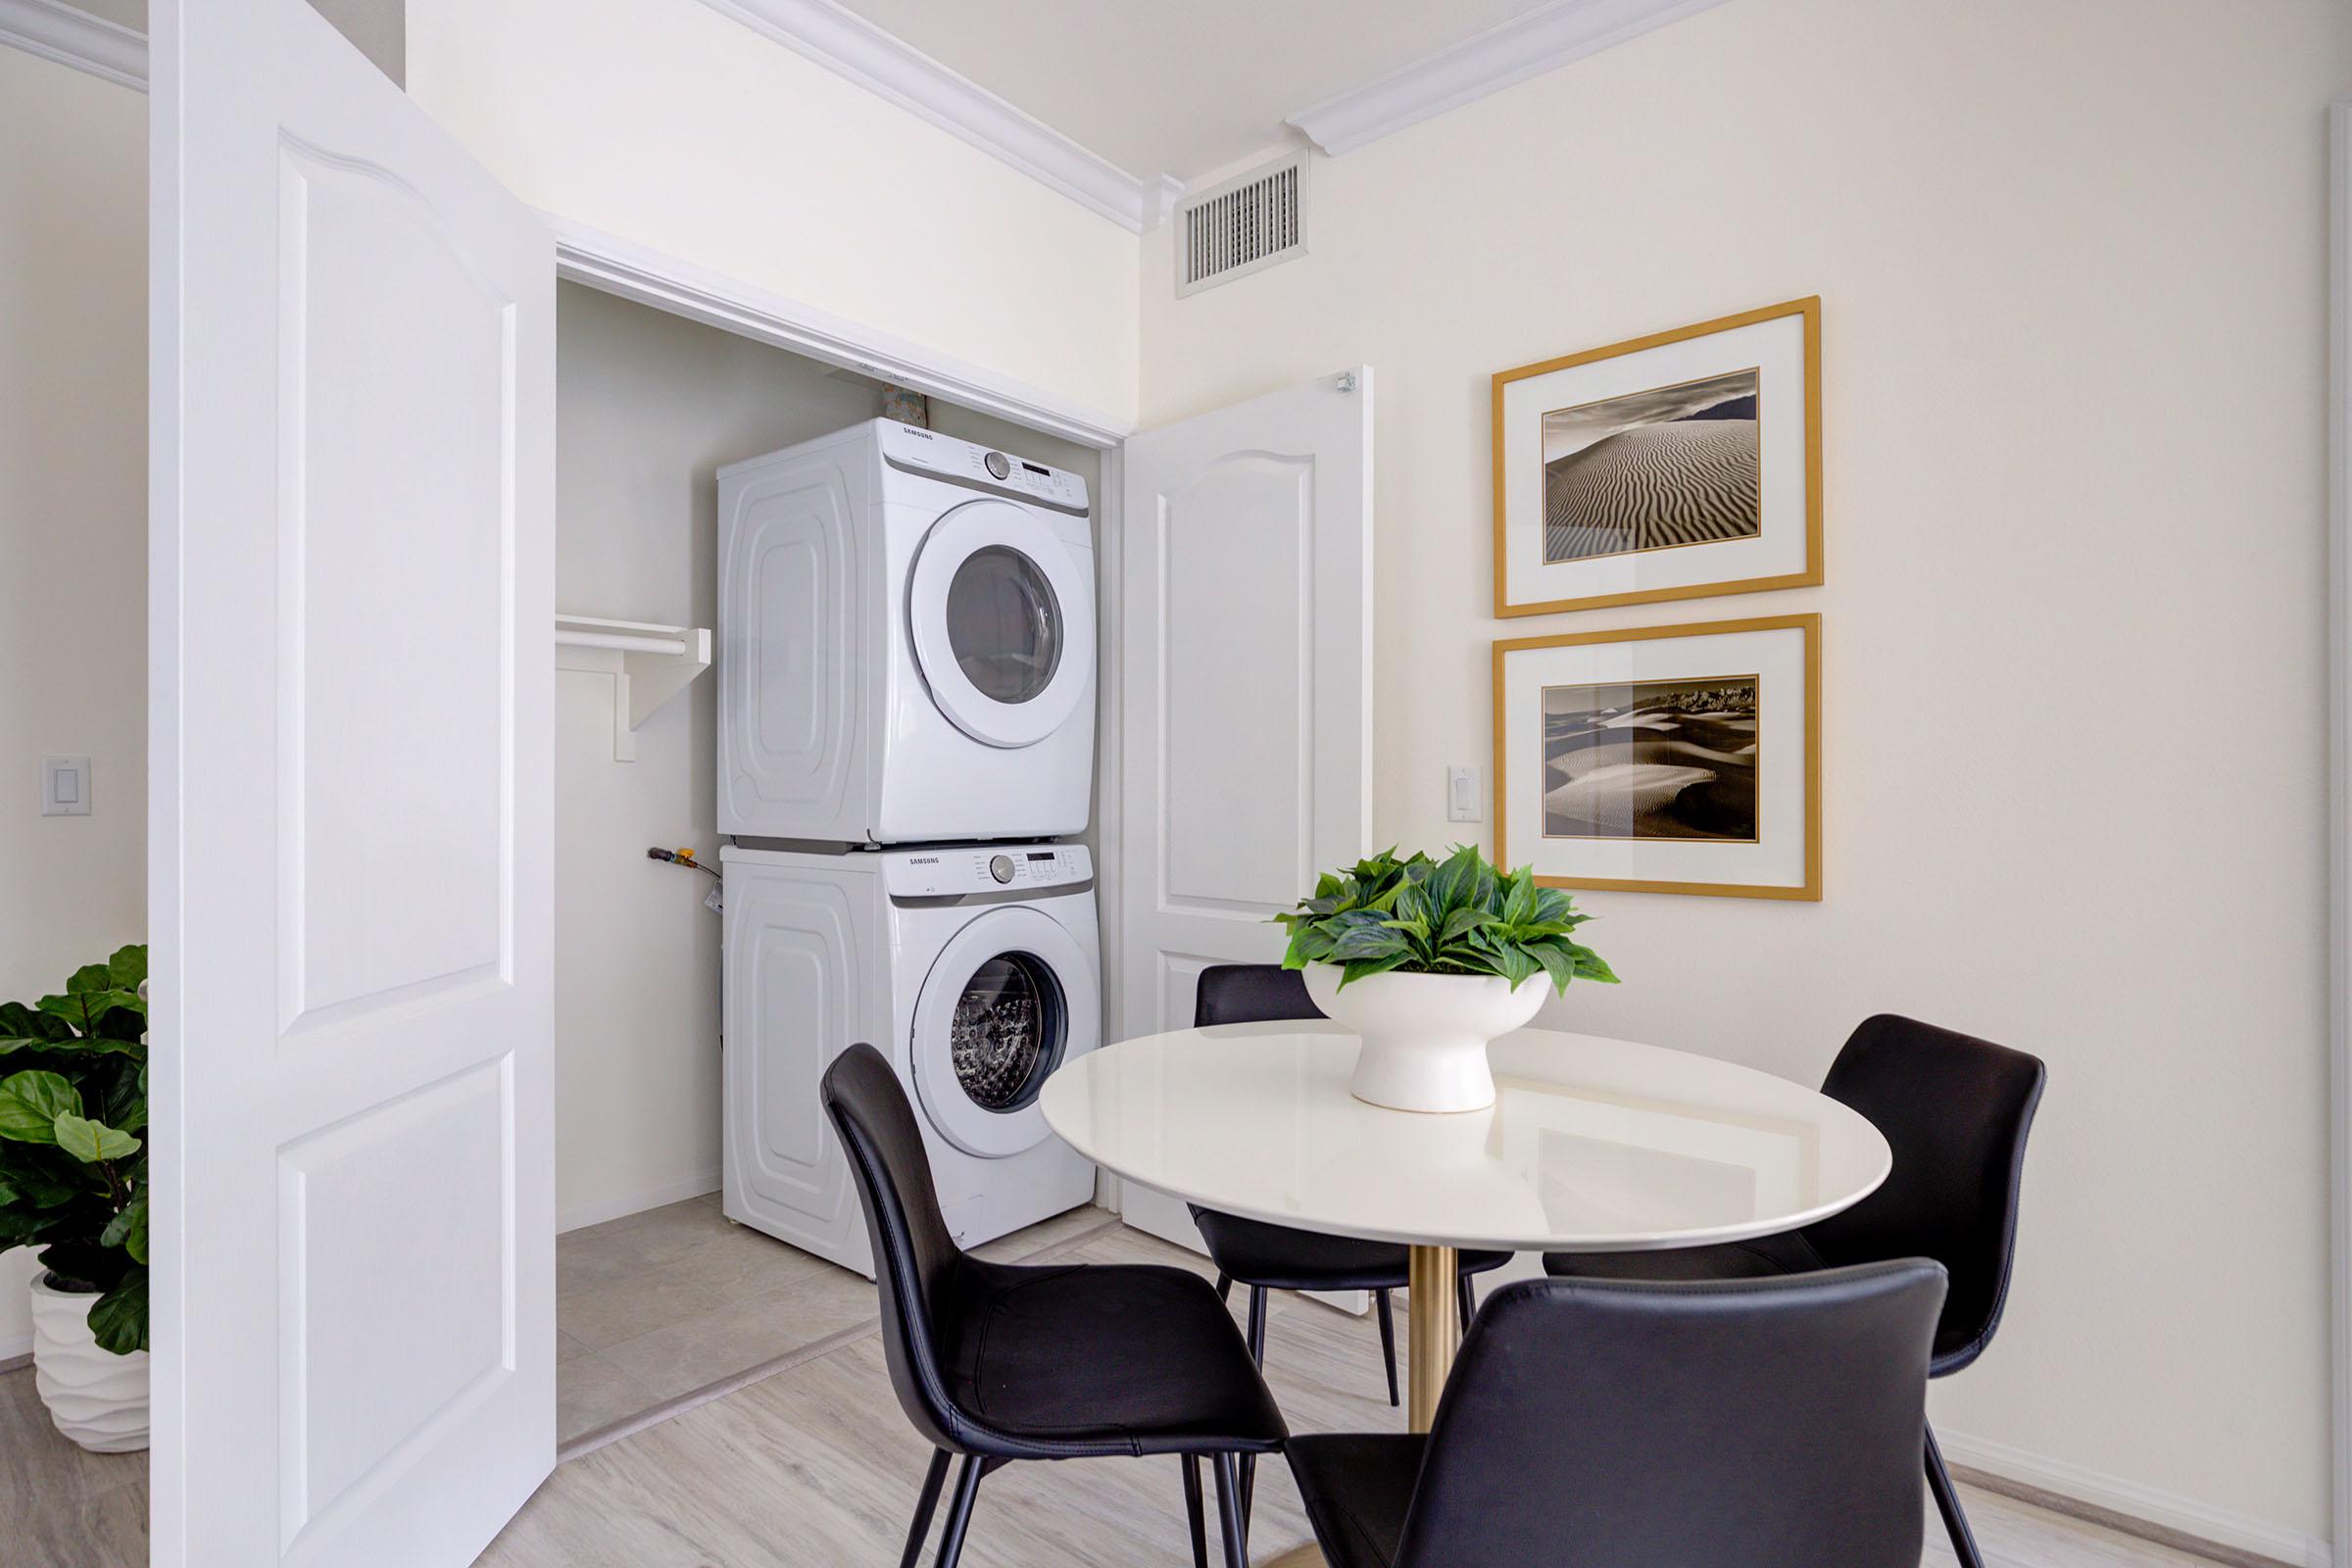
pixel 1663 758
pixel 1671 467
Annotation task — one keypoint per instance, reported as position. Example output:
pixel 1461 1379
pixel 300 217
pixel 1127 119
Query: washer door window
pixel 1003 623
pixel 1009 999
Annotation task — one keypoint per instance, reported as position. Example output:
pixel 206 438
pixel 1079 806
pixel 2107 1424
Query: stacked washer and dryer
pixel 906 700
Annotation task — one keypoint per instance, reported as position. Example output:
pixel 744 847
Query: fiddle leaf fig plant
pixel 73 1164
pixel 1456 916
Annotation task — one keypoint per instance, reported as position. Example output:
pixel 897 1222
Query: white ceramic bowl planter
pixel 1425 1035
pixel 96 1397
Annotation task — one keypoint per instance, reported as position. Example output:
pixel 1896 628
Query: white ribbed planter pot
pixel 96 1397
pixel 1425 1035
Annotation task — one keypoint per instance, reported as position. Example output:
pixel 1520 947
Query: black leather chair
pixel 1276 1258
pixel 993 1362
pixel 1955 1109
pixel 1602 1424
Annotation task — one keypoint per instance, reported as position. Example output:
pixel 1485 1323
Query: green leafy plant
pixel 72 1167
pixel 1455 916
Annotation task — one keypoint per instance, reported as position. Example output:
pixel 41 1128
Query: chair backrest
pixel 1250 993
pixel 917 1261
pixel 1955 1110
pixel 1739 1424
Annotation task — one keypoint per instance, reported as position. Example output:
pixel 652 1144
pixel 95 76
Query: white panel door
pixel 1247 722
pixel 352 424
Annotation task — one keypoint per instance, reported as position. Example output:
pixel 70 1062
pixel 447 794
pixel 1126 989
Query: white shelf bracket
pixel 649 664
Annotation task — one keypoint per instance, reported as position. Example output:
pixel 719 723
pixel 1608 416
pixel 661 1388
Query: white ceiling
pixel 1180 88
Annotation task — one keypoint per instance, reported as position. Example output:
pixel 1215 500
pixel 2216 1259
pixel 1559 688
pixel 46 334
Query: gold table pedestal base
pixel 1436 1326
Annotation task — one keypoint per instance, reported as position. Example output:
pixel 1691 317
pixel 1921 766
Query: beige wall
pixel 73 533
pixel 648 408
pixel 667 123
pixel 2071 254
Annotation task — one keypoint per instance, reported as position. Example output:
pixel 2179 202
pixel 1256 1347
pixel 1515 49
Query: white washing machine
pixel 973 968
pixel 906 642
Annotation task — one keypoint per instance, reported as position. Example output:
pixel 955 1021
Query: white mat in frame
pixel 1623 682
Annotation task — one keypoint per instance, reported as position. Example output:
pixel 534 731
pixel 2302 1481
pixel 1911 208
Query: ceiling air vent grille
pixel 1242 225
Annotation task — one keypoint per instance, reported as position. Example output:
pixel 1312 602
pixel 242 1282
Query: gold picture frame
pixel 1803 669
pixel 1513 410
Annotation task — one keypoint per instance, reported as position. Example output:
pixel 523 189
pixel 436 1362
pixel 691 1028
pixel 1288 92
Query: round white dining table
pixel 1591 1144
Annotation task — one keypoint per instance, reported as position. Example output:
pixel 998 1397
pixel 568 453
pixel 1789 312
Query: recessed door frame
pixel 588 256
pixel 2339 815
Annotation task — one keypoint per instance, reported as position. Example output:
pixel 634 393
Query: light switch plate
pixel 1465 796
pixel 65 786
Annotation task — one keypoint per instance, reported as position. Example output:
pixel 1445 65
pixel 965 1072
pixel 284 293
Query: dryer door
pixel 1010 999
pixel 1003 622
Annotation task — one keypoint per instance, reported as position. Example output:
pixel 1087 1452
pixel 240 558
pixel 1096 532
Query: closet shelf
pixel 649 664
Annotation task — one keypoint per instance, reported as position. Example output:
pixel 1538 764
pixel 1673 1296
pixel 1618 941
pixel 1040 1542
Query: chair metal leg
pixel 1257 1354
pixel 1224 1286
pixel 959 1514
pixel 1191 1509
pixel 1388 1338
pixel 1228 1514
pixel 924 1506
pixel 1948 1503
pixel 1465 1294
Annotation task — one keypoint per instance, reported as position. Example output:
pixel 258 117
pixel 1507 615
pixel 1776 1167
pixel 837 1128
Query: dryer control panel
pixel 951 870
pixel 967 463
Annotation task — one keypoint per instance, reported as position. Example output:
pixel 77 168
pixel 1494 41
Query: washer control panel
pixel 950 871
pixel 919 451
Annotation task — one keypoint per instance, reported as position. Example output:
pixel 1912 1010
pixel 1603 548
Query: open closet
pixel 660 1296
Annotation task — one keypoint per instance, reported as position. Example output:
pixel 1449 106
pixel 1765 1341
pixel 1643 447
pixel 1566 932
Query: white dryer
pixel 973 968
pixel 906 642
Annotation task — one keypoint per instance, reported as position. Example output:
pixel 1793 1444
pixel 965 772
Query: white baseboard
pixel 2167 1511
pixel 677 1192
pixel 16 1352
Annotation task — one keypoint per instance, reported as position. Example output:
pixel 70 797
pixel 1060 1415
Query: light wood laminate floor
pixel 814 1465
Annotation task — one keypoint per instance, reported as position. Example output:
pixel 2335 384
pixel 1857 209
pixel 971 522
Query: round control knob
pixel 999 467
pixel 1001 868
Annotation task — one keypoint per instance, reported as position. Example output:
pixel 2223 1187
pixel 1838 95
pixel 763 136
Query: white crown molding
pixel 2184 1520
pixel 853 47
pixel 1161 197
pixel 1526 46
pixel 75 38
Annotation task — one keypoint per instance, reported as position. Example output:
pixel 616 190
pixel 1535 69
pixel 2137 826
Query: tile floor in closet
pixel 669 1302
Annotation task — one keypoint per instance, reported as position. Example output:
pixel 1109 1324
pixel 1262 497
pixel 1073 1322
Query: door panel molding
pixel 350 892
pixel 1245 751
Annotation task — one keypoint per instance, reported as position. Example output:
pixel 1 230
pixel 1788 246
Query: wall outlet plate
pixel 65 786
pixel 1465 796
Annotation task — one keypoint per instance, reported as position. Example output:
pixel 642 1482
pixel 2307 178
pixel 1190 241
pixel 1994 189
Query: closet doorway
pixel 661 1299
